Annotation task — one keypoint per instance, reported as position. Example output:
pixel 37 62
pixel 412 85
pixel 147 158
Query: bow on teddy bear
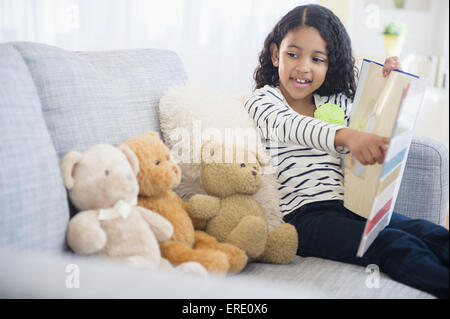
pixel 102 184
pixel 158 176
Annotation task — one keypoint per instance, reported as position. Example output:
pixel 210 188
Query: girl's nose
pixel 302 66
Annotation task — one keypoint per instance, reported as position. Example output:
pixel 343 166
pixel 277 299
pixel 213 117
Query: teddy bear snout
pixel 123 182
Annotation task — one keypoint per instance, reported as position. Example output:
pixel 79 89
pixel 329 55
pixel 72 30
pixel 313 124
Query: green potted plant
pixel 399 4
pixel 394 38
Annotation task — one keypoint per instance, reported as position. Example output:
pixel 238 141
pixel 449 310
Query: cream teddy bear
pixel 230 175
pixel 102 183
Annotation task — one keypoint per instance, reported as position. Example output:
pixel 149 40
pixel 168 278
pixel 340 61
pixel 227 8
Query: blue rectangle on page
pixel 393 162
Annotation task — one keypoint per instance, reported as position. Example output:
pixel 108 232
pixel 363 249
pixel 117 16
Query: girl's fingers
pixel 392 60
pixel 360 157
pixel 368 159
pixel 390 64
pixel 372 156
pixel 377 154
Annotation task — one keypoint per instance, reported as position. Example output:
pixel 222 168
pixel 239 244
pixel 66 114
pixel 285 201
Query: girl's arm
pixel 278 122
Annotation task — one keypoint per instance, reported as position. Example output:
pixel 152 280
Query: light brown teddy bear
pixel 158 176
pixel 230 175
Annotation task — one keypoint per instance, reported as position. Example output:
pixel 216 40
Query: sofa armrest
pixel 424 189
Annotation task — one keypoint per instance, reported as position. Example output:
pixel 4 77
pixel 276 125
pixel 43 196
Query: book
pixel 387 107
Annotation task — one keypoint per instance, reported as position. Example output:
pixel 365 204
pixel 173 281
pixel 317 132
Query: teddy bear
pixel 230 175
pixel 158 177
pixel 102 183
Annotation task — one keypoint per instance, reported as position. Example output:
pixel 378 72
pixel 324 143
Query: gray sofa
pixel 53 101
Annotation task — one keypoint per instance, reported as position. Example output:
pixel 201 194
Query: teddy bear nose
pixel 254 173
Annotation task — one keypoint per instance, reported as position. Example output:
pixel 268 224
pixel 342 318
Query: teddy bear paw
pixel 282 245
pixel 250 235
pixel 193 268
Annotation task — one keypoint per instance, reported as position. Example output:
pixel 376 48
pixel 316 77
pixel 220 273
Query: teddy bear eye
pixel 167 157
pixel 106 173
pixel 242 165
pixel 157 162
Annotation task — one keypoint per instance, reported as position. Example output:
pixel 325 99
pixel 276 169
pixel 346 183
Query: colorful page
pixel 386 107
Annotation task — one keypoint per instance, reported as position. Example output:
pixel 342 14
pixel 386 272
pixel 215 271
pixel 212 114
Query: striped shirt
pixel 308 165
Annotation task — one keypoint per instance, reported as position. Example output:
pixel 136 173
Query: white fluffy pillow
pixel 190 116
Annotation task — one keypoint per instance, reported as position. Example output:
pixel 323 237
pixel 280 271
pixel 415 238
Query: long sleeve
pixel 276 121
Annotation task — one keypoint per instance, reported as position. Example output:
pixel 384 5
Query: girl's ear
pixel 274 54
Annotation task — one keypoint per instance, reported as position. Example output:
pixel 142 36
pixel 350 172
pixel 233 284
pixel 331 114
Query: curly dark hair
pixel 341 74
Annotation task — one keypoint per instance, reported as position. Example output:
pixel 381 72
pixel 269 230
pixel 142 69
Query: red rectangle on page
pixel 378 216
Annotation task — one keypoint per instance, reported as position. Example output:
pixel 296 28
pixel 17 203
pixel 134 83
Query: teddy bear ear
pixel 131 156
pixel 68 164
pixel 262 159
pixel 153 133
pixel 210 150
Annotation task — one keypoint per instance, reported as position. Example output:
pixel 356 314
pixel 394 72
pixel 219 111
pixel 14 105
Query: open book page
pixel 386 107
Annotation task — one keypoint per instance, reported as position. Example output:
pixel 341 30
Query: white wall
pixel 428 31
pixel 427 28
pixel 217 40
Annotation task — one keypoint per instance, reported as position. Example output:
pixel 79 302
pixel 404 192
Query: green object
pixel 395 28
pixel 399 4
pixel 330 113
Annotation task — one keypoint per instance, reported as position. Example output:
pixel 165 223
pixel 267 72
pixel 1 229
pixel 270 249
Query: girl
pixel 307 61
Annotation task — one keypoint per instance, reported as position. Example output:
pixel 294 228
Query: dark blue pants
pixel 411 251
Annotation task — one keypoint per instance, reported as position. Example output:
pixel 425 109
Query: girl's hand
pixel 367 148
pixel 392 63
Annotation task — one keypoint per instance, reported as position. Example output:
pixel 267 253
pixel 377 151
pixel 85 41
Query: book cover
pixel 386 107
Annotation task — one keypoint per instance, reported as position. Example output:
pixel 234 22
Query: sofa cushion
pixel 337 279
pixel 56 277
pixel 99 97
pixel 33 203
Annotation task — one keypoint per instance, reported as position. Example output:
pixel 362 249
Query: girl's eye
pixel 157 162
pixel 292 55
pixel 318 60
pixel 242 165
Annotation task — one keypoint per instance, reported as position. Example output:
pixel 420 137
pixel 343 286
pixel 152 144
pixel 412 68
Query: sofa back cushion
pixel 33 202
pixel 99 97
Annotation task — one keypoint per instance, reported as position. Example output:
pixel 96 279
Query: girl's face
pixel 302 63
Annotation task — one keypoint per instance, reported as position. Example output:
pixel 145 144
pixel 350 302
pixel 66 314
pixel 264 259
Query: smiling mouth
pixel 301 83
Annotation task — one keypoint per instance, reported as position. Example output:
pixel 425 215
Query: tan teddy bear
pixel 158 176
pixel 102 183
pixel 230 175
